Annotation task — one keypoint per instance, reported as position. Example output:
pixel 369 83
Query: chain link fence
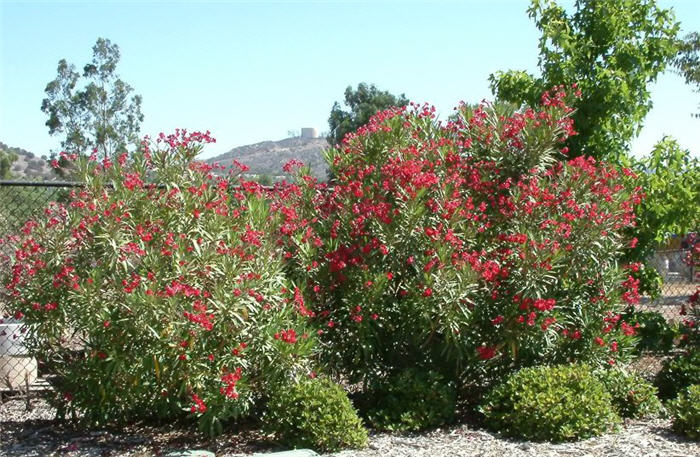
pixel 658 318
pixel 20 202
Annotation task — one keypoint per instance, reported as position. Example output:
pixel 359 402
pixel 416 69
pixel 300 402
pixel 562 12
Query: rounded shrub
pixel 678 373
pixel 314 413
pixel 157 289
pixel 550 403
pixel 632 395
pixel 412 400
pixel 686 412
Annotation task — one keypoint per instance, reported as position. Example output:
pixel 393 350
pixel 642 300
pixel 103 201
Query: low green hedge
pixel 550 403
pixel 314 413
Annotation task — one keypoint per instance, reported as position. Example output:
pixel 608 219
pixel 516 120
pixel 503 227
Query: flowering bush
pixel 650 280
pixel 164 281
pixel 550 403
pixel 655 333
pixel 692 258
pixel 690 324
pixel 471 245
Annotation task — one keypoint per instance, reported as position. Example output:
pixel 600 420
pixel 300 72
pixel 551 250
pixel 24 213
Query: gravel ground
pixel 35 434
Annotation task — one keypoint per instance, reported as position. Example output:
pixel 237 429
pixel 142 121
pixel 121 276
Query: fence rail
pixel 21 201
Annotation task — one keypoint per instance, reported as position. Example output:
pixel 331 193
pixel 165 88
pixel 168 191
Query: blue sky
pixel 252 71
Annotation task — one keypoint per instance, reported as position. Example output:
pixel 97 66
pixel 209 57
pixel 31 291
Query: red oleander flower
pixel 199 405
pixel 486 352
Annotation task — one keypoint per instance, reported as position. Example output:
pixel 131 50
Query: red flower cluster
pixel 199 405
pixel 288 336
pixel 230 379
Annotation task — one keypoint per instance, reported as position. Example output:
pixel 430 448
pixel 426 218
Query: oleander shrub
pixel 473 246
pixel 314 413
pixel 686 412
pixel 632 395
pixel 678 373
pixel 654 332
pixel 650 280
pixel 550 403
pixel 690 324
pixel 157 290
pixel 412 400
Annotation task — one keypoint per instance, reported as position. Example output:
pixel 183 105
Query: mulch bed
pixel 36 434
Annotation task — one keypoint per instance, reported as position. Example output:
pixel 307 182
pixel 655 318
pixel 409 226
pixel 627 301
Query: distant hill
pixel 268 157
pixel 28 165
pixel 264 158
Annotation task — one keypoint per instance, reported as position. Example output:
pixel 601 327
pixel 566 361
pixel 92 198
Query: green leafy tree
pixel 670 178
pixel 687 62
pixel 612 49
pixel 95 109
pixel 265 180
pixel 363 103
pixel 7 158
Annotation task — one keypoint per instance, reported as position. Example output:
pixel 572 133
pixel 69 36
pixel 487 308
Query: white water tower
pixel 309 132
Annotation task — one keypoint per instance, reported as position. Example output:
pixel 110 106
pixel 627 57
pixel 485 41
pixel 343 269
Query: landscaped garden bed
pixel 458 272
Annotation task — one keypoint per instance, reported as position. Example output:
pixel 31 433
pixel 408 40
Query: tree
pixel 264 180
pixel 363 103
pixel 95 109
pixel 670 177
pixel 687 61
pixel 612 49
pixel 7 158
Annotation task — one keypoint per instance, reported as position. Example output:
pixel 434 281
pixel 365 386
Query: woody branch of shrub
pixel 473 247
pixel 173 292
